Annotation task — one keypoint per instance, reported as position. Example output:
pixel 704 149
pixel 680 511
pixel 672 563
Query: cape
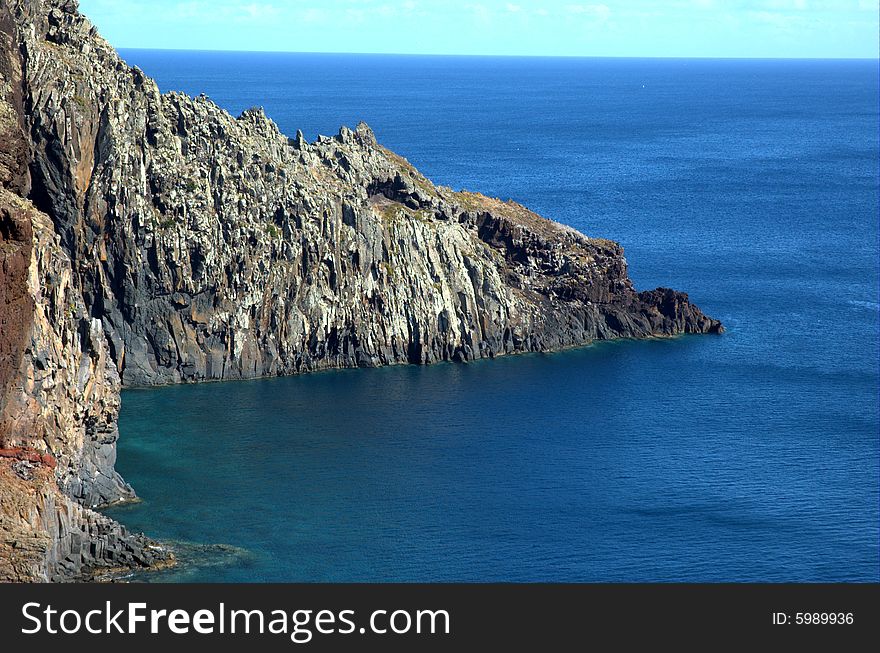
pixel 150 238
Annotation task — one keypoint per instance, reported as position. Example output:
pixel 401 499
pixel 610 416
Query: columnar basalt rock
pixel 162 240
pixel 59 387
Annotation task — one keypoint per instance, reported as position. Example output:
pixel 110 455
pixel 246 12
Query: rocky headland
pixel 151 239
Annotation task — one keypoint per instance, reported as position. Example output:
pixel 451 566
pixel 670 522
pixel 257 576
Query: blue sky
pixel 634 28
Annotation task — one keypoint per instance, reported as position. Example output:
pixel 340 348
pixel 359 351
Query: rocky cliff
pixel 149 238
pixel 59 387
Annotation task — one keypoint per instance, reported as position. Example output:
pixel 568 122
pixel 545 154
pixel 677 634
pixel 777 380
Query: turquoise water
pixel 753 185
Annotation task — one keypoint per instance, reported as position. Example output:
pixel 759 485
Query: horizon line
pixel 504 56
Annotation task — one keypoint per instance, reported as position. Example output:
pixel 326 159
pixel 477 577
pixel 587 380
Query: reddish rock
pixel 32 456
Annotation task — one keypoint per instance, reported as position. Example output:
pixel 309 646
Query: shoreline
pixel 659 337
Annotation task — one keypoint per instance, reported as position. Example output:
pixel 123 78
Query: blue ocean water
pixel 753 456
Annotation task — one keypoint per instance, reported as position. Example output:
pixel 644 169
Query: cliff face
pixel 59 388
pixel 150 238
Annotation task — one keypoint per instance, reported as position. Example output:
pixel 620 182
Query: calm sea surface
pixel 752 185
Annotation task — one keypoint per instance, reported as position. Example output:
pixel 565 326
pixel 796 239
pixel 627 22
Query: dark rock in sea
pixel 149 239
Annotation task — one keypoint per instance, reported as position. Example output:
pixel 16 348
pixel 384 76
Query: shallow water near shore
pixel 751 185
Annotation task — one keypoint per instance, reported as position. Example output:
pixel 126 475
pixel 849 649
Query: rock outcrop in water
pixel 149 238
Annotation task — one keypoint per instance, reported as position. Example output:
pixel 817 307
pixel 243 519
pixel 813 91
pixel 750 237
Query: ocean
pixel 752 456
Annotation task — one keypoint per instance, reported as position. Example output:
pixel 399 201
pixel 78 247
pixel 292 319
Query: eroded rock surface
pixel 59 387
pixel 149 238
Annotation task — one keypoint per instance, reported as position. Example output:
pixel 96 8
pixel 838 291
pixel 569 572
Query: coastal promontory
pixel 150 238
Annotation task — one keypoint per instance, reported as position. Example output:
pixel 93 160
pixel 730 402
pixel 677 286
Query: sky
pixel 611 28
